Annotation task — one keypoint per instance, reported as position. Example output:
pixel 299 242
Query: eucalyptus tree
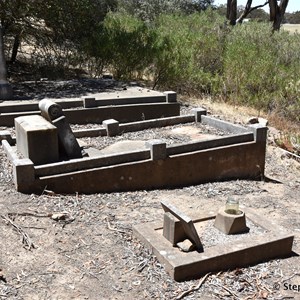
pixel 5 87
pixel 277 10
pixel 149 10
pixel 50 27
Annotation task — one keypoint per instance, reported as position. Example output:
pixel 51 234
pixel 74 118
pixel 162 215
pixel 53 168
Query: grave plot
pixel 150 153
pixel 191 247
pixel 128 106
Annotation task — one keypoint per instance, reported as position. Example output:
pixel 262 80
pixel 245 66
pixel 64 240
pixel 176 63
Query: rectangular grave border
pixel 241 155
pixel 92 110
pixel 275 243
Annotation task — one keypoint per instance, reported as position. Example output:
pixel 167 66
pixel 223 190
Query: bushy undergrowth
pixel 199 54
pixel 263 69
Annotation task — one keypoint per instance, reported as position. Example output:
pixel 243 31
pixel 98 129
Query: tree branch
pixel 248 9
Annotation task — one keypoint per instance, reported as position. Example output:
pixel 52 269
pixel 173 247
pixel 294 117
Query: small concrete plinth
pixel 37 139
pixel 111 126
pixel 173 230
pixel 275 242
pixel 158 149
pixel 230 223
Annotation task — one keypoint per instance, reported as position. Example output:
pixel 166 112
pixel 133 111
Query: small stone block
pixel 198 113
pixel 173 230
pixel 186 246
pixel 229 223
pixel 111 126
pixel 89 102
pixel 171 96
pixel 158 149
pixel 37 139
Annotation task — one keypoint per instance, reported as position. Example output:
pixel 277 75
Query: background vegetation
pixel 178 44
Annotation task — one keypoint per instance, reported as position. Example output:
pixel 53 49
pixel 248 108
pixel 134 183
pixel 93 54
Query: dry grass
pixel 241 114
pixel 293 28
pixel 286 135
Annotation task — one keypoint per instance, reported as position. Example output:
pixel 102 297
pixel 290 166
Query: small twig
pixel 228 290
pixel 46 215
pixel 290 154
pixel 114 229
pixel 193 288
pixel 25 237
pixel 289 278
pixel 34 227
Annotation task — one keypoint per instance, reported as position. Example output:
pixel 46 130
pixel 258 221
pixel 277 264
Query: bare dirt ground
pixel 91 254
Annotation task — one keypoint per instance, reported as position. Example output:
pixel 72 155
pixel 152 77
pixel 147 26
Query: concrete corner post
pixel 111 126
pixel 89 102
pixel 24 175
pixel 158 149
pixel 198 112
pixel 260 136
pixel 260 132
pixel 6 135
pixel 171 96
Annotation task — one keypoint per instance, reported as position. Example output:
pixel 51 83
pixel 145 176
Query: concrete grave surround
pixel 126 106
pixel 274 243
pixel 238 155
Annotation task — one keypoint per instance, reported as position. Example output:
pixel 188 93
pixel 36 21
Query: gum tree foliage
pixel 293 18
pixel 149 10
pixel 68 24
pixel 77 20
pixel 277 11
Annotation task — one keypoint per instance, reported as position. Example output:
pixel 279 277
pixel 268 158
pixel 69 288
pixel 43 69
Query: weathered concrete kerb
pixel 91 110
pixel 273 242
pixel 238 155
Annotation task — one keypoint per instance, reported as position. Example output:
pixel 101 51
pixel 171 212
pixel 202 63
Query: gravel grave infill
pixel 164 134
pixel 211 236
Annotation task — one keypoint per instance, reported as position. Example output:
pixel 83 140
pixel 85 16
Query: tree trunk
pixel 15 49
pixel 5 87
pixel 246 12
pixel 277 12
pixel 232 11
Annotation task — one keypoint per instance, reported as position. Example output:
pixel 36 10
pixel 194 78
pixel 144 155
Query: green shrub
pixel 197 54
pixel 188 52
pixel 129 45
pixel 260 69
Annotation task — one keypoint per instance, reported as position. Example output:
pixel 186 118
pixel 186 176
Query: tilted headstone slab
pixel 187 224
